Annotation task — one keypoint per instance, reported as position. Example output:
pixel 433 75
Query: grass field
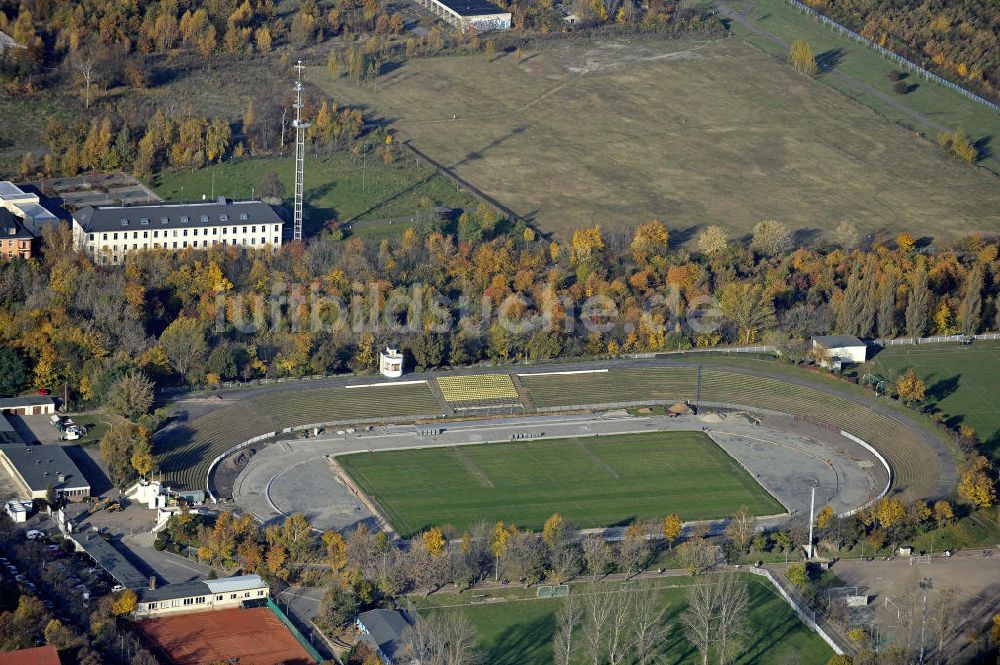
pixel 961 382
pixel 592 482
pixel 616 133
pixel 332 187
pixel 937 105
pixel 520 632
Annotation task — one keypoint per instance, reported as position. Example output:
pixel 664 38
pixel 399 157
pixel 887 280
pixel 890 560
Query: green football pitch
pixel 592 481
pixel 961 382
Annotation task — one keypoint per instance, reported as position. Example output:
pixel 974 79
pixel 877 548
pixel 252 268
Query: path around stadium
pixel 786 457
pixel 194 404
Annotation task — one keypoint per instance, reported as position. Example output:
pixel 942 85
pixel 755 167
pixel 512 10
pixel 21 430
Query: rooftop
pixel 41 465
pixel 472 7
pixel 201 588
pixel 25 400
pixel 8 435
pixel 46 655
pixel 837 341
pixel 110 559
pixel 11 192
pixel 222 212
pixel 385 628
pixel 11 228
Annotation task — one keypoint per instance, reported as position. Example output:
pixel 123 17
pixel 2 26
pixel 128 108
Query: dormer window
pixel 124 222
pixel 244 216
pixel 204 219
pixel 223 218
pixel 144 221
pixel 163 220
pixel 185 219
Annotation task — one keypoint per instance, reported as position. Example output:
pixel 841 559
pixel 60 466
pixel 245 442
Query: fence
pixel 895 57
pixel 459 182
pixel 819 624
pixel 938 339
pixel 295 631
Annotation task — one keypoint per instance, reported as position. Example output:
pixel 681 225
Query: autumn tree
pixel 748 307
pixel 971 308
pixel 697 555
pixel 910 387
pixel 802 58
pixel 648 240
pixel 673 527
pixel 119 445
pixel 918 304
pixel 554 531
pixel 741 528
pixel 124 603
pixel 712 240
pixel 771 238
pixel 976 482
pixel 184 343
pixel 131 396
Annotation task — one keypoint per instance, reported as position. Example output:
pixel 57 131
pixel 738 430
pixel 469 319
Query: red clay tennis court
pixel 254 636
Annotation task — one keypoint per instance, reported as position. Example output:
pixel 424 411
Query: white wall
pixel 209 601
pixel 113 246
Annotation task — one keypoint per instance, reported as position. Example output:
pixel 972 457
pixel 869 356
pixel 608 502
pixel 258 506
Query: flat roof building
pixel 842 348
pixel 27 206
pixel 201 596
pixel 108 233
pixel 110 559
pixel 35 468
pixel 478 15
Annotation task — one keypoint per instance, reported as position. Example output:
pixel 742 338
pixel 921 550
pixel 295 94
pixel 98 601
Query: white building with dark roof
pixel 108 233
pixel 200 596
pixel 34 468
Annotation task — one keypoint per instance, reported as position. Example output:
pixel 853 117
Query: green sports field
pixel 520 632
pixel 961 382
pixel 591 481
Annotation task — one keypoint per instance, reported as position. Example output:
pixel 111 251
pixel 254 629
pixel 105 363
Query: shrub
pixel 901 87
pixel 897 75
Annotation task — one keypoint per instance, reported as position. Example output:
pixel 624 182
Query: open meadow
pixel 961 382
pixel 617 132
pixel 591 481
pixel 520 631
pixel 337 186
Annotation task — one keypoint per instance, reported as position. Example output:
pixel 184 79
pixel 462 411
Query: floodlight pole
pixel 812 508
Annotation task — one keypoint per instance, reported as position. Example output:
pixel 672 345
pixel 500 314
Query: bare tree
pixel 650 628
pixel 945 620
pixel 595 627
pixel 741 528
pixel 699 617
pixel 568 618
pixel 86 68
pixel 731 615
pixel 419 642
pixel 697 555
pixel 457 637
pixel 621 631
pixel 598 555
pixel 633 553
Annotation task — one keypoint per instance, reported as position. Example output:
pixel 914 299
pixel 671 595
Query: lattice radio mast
pixel 300 126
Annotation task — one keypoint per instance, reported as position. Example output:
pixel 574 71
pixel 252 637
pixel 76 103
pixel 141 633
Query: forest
pixel 479 289
pixel 957 40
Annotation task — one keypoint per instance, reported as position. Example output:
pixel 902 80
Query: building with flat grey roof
pixel 35 468
pixel 110 559
pixel 108 233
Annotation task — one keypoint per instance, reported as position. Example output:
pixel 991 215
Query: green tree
pixel 746 305
pixel 886 318
pixel 971 308
pixel 184 343
pixel 13 372
pixel 118 446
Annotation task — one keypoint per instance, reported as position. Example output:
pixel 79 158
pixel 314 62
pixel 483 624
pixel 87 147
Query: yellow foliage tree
pixel 672 529
pixel 943 513
pixel 910 387
pixel 975 483
pixel 649 239
pixel 433 541
pixel 587 243
pixel 889 512
pixel 802 58
pixel 336 550
pixel 554 530
pixel 905 242
pixel 824 517
pixel 124 603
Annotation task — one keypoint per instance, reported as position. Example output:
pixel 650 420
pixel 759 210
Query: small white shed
pixel 390 363
pixel 843 348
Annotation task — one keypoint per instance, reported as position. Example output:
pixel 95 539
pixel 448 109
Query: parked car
pixel 12 569
pixel 34 534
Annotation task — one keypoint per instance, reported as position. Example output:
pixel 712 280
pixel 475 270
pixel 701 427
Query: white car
pixel 35 534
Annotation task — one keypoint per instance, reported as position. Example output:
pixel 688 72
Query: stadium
pixel 605 444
